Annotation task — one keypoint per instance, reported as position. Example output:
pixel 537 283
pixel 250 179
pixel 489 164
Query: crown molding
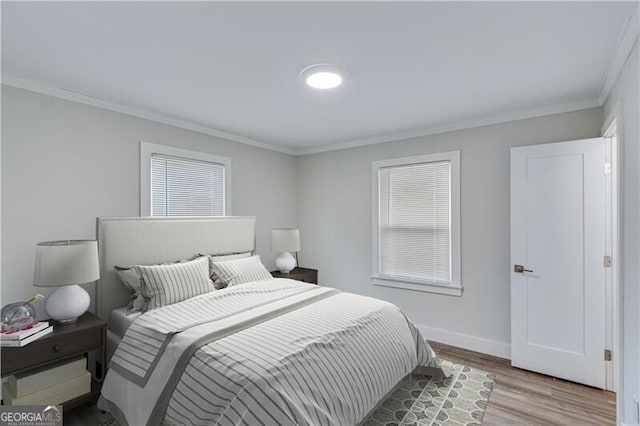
pixel 626 43
pixel 87 99
pixel 459 125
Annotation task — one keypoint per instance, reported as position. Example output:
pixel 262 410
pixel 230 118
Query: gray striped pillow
pixel 166 284
pixel 217 282
pixel 240 271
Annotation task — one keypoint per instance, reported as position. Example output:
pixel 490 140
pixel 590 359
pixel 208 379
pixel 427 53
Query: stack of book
pixel 50 387
pixel 24 337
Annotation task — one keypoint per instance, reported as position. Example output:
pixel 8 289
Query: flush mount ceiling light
pixel 322 76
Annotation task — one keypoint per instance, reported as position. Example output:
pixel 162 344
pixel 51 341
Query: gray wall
pixel 64 164
pixel 334 215
pixel 623 103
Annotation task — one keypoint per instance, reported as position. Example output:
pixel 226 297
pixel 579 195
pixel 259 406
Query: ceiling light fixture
pixel 322 76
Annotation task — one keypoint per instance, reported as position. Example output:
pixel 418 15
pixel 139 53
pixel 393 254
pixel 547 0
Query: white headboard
pixel 125 241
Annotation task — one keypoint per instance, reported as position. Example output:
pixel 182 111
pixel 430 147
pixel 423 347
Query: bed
pixel 270 351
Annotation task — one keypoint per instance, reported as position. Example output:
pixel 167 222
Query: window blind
pixel 184 187
pixel 415 221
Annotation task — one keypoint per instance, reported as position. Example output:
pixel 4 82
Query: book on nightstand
pixel 22 334
pixel 8 340
pixel 22 385
pixel 53 395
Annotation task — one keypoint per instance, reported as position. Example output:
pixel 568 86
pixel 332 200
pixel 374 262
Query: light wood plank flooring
pixel 522 397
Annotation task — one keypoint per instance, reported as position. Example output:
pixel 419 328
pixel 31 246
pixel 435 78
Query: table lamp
pixel 65 264
pixel 285 241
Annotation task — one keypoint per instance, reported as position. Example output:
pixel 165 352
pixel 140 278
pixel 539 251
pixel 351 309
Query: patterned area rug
pixel 419 400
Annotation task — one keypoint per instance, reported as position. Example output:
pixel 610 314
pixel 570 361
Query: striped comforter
pixel 275 352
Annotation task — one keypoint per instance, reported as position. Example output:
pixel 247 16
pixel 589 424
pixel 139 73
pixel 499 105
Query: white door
pixel 558 238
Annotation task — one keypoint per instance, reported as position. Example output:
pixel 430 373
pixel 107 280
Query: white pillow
pixel 167 284
pixel 240 271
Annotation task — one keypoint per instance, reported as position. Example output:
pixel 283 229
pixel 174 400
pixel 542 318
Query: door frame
pixel 612 126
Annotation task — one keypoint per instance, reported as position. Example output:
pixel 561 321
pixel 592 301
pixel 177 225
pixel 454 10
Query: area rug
pixel 460 399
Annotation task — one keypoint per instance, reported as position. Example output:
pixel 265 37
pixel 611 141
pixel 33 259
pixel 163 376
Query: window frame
pixel 454 288
pixel 148 149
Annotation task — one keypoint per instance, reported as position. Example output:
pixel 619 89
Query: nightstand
pixel 66 343
pixel 301 274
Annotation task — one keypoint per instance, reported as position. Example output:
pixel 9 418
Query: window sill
pixel 427 287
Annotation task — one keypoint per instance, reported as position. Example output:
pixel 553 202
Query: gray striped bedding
pixel 274 352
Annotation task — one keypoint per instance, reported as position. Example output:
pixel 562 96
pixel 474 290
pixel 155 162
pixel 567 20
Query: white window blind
pixel 414 222
pixel 186 187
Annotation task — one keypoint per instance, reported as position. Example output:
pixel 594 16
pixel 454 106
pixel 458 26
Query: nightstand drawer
pixel 50 349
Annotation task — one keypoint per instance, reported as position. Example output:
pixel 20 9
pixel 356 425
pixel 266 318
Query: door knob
pixel 520 269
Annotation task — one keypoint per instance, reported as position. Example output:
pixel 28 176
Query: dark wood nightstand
pixel 66 343
pixel 301 274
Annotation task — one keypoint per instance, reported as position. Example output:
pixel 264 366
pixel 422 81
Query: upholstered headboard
pixel 127 241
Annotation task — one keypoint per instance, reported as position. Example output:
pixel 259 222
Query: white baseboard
pixel 629 424
pixel 473 343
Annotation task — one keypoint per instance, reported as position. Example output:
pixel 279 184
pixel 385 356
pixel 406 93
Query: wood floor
pixel 519 397
pixel 522 397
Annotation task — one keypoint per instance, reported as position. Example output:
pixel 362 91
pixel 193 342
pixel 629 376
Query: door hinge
pixel 607 168
pixel 608 261
pixel 607 354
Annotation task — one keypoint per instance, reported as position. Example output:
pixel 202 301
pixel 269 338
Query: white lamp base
pixel 67 303
pixel 285 262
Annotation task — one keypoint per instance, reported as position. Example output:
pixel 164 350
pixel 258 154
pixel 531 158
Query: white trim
pixel 465 341
pixel 458 125
pixel 425 286
pixel 612 249
pixel 455 288
pixel 146 149
pixel 88 99
pixel 628 39
pixel 617 115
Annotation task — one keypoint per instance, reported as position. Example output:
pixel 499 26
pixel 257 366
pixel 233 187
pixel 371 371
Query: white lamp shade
pixel 68 262
pixel 284 240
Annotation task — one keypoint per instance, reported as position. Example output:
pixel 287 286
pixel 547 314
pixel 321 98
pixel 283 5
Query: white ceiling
pixel 234 66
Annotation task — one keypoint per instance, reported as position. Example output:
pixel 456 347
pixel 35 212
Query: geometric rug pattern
pixel 460 399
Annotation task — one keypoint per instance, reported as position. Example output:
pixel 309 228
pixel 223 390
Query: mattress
pixel 119 321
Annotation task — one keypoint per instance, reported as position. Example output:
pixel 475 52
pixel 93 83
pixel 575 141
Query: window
pixel 416 218
pixel 178 182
